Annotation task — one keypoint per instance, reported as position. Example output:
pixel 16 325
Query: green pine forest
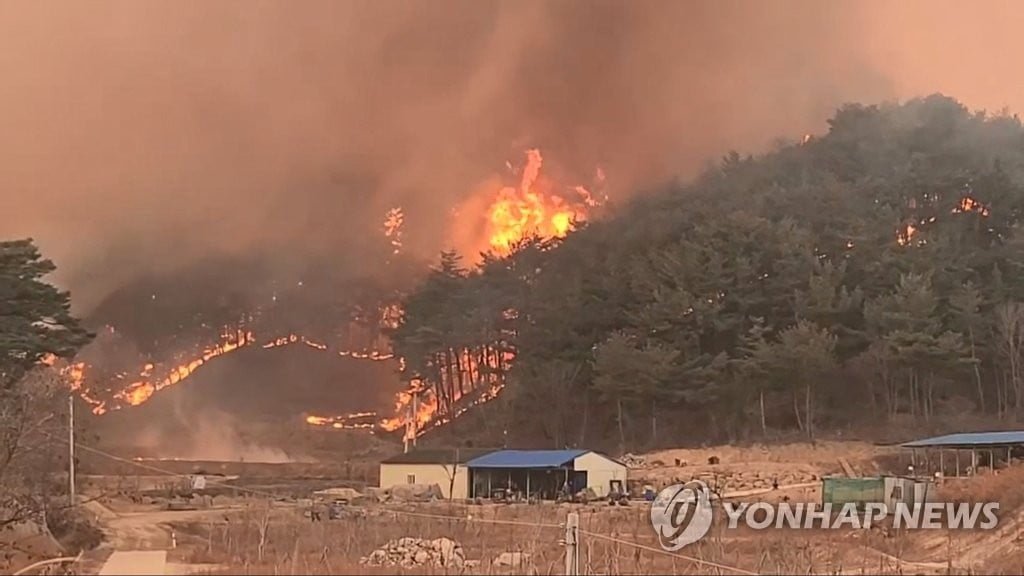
pixel 870 277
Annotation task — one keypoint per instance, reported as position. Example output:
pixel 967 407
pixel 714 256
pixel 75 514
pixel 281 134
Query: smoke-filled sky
pixel 142 135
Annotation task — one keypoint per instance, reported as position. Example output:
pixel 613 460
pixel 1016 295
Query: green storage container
pixel 860 491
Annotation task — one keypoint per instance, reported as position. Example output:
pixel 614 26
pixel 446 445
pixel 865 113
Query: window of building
pixel 410 479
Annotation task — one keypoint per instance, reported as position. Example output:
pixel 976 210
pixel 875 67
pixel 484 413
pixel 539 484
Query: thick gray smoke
pixel 140 136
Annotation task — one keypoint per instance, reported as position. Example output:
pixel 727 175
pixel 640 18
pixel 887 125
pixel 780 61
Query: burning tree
pixel 35 319
pixel 458 329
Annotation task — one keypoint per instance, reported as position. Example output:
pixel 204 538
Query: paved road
pixel 138 563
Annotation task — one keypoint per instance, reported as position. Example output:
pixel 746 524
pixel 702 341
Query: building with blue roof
pixel 480 473
pixel 952 454
pixel 543 473
pixel 970 440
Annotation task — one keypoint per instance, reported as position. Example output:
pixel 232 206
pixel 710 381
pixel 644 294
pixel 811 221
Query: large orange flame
pixel 519 212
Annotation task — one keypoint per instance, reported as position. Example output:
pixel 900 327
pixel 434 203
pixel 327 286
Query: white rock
pixel 409 552
pixel 512 560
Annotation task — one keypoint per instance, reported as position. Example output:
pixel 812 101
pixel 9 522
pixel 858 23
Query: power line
pixel 144 466
pixel 163 471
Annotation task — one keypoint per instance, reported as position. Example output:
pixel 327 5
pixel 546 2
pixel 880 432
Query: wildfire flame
pixel 353 421
pixel 967 204
pixel 393 228
pixel 142 390
pixel 519 212
pixel 139 392
pixel 906 234
pixel 514 213
pixel 417 408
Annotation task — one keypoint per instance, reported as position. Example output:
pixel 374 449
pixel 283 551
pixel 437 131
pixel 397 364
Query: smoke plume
pixel 139 137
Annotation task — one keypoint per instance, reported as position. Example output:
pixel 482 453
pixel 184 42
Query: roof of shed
pixel 438 456
pixel 526 459
pixel 969 440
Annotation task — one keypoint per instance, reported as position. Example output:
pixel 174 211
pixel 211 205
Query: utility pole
pixel 71 449
pixel 415 413
pixel 410 424
pixel 572 544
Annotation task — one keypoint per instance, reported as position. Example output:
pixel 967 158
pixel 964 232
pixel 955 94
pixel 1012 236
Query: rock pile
pixel 350 495
pixel 413 552
pixel 406 493
pixel 633 461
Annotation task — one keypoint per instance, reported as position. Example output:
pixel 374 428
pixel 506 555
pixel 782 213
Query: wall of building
pixel 440 474
pixel 907 490
pixel 600 470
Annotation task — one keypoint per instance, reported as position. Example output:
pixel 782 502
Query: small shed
pixel 840 490
pixel 890 490
pixel 445 467
pixel 542 473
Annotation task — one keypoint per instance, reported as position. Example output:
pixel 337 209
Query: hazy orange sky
pixel 141 135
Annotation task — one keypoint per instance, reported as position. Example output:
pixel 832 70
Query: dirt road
pixel 141 540
pixel 148 563
pixel 149 530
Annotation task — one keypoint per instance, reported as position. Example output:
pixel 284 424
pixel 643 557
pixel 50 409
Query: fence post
pixel 572 544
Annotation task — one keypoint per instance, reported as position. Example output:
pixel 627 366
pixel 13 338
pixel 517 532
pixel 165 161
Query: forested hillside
pixel 870 274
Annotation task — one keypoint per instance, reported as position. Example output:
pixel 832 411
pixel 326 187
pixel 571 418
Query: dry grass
pixel 1003 486
pixel 292 544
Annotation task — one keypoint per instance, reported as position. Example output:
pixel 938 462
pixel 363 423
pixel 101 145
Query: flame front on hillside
pixel 511 214
pixel 353 421
pixel 140 391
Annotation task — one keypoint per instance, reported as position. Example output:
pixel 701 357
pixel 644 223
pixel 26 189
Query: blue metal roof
pixel 972 439
pixel 526 459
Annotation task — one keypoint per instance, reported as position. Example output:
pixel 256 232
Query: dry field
pixel 253 534
pixel 280 540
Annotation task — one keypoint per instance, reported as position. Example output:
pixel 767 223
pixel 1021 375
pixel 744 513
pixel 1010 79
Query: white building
pixel 444 467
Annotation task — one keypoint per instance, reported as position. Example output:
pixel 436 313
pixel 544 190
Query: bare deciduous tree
pixel 30 464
